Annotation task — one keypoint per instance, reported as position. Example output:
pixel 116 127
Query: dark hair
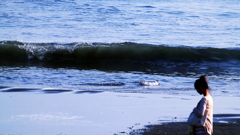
pixel 201 82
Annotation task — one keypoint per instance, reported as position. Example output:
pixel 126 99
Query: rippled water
pixel 212 23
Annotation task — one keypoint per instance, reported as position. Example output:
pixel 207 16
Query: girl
pixel 204 109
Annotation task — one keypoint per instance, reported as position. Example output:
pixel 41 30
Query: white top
pixel 205 108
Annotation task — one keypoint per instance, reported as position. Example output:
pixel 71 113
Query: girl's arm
pixel 201 107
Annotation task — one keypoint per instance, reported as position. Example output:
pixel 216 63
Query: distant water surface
pixel 212 23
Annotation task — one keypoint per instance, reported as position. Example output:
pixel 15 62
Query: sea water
pixel 95 46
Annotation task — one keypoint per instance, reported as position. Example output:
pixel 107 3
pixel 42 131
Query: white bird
pixel 149 83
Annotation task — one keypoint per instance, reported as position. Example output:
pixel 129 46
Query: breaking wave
pixel 14 51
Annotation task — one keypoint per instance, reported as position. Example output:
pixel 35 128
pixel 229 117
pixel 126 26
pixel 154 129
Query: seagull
pixel 149 83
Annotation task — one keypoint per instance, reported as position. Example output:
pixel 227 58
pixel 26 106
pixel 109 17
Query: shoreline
pixel 229 126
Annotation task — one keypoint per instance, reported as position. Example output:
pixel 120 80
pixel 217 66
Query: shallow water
pixel 37 79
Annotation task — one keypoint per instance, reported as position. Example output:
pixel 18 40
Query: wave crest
pixel 113 52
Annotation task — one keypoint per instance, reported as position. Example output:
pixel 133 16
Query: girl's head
pixel 201 85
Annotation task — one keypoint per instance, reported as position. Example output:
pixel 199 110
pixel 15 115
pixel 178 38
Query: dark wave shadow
pixel 20 90
pixel 226 115
pixel 88 91
pixel 228 118
pixel 3 87
pixel 53 91
pixel 107 84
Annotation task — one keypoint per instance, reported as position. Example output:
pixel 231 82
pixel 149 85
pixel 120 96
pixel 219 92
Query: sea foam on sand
pixel 102 113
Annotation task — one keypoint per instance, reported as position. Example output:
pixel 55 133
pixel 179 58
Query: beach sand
pixel 181 128
pixel 53 111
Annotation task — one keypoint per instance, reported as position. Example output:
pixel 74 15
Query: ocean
pixel 83 47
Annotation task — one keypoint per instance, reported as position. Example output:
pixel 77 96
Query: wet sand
pixel 53 111
pixel 181 128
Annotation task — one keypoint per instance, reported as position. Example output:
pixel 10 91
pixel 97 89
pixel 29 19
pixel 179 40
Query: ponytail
pixel 201 82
